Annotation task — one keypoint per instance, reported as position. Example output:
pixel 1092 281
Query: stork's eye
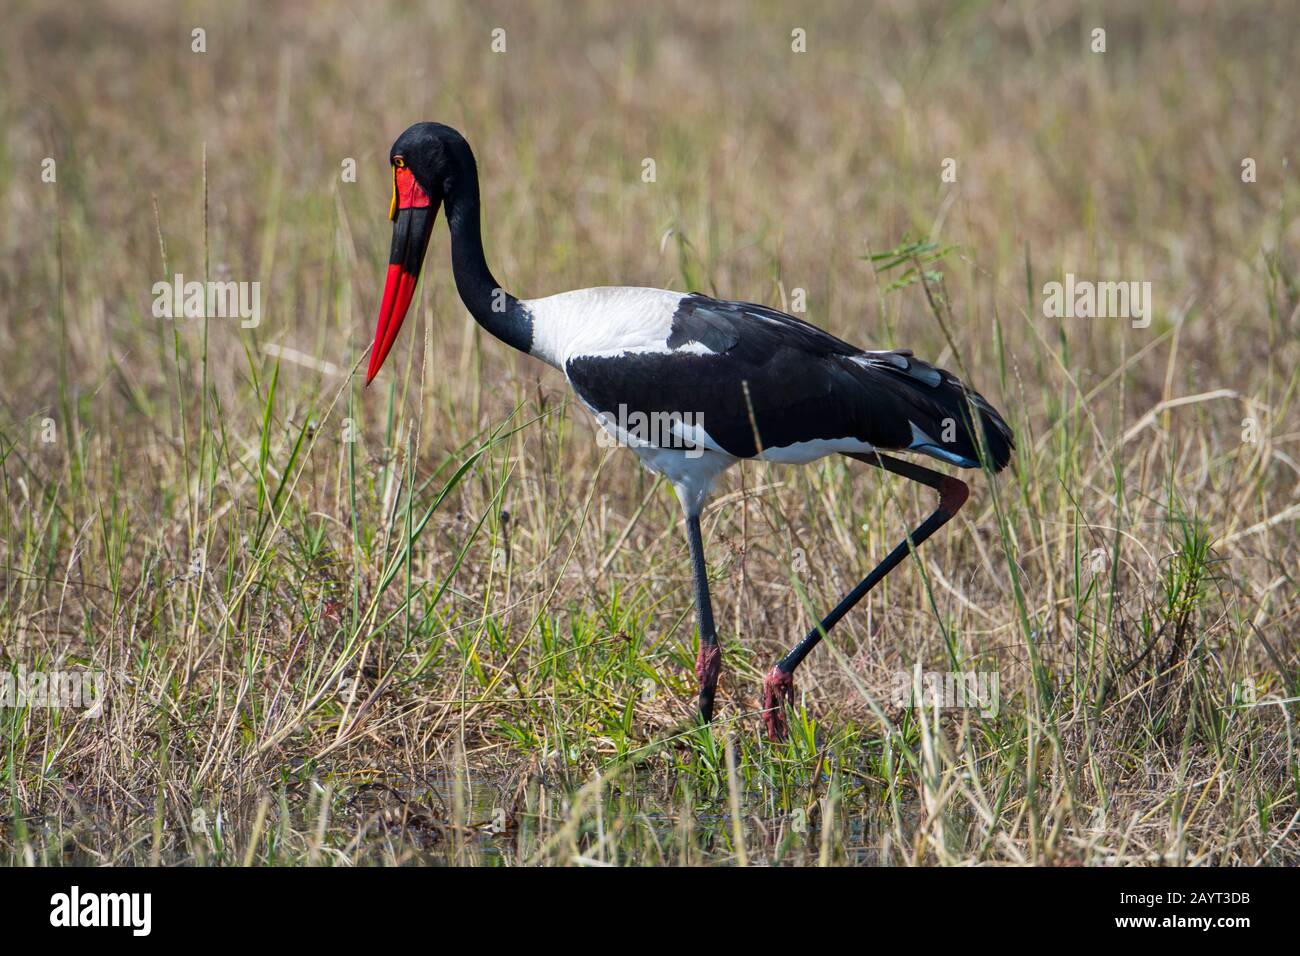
pixel 398 161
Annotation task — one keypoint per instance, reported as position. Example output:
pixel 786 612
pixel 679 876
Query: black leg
pixel 708 665
pixel 778 687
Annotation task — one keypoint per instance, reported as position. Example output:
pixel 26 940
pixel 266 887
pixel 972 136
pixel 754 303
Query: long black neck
pixel 492 307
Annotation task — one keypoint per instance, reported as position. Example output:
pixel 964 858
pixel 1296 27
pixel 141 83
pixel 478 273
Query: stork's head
pixel 430 162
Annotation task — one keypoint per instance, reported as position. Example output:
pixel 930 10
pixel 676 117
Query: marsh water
pixel 476 820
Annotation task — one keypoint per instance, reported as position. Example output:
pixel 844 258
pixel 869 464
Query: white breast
pixel 609 319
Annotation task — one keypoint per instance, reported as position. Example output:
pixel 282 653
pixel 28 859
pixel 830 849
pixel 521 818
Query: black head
pixel 439 159
pixel 431 164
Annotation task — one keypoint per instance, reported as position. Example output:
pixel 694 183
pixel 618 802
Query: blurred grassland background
pixel 466 635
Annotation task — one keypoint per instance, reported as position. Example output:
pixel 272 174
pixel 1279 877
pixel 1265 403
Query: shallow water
pixel 450 820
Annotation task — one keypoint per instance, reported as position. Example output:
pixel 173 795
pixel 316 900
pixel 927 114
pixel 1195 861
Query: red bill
pixel 413 215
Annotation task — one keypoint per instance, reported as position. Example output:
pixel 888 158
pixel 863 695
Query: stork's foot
pixel 778 693
pixel 708 665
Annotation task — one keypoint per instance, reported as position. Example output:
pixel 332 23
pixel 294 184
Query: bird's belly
pixel 692 471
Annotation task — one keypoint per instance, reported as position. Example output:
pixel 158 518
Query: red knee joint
pixel 778 692
pixel 953 493
pixel 708 665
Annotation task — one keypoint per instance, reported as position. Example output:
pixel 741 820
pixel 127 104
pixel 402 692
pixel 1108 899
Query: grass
pixel 435 621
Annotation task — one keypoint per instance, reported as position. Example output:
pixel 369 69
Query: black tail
pixel 917 407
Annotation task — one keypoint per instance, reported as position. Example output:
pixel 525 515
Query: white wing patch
pixel 802 452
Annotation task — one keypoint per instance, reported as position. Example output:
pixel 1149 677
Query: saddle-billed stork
pixel 733 380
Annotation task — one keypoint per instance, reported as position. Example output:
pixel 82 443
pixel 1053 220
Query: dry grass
pixel 383 657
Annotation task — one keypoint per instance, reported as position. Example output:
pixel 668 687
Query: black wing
pixel 800 382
